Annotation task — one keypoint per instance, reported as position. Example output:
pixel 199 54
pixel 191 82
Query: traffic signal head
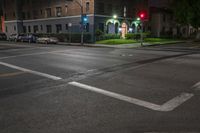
pixel 143 15
pixel 84 19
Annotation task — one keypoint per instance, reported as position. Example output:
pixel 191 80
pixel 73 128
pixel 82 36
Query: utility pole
pixel 141 33
pixel 80 3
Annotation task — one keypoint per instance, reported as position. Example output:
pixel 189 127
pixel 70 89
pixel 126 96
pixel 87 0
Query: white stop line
pixel 168 106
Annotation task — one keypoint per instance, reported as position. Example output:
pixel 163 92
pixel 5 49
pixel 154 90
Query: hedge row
pixel 137 36
pixel 108 36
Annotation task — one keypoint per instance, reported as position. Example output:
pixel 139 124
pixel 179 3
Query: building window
pixel 149 28
pixel 41 27
pixel 49 29
pixel 87 7
pixel 87 27
pixel 24 29
pixel 101 27
pixel 67 27
pixel 13 14
pixel 100 7
pixel 35 14
pixel 58 28
pixel 28 15
pixel 29 29
pixel 23 15
pixel 14 28
pixel 66 9
pixel 164 18
pixel 35 28
pixel 58 11
pixel 163 30
pixel 48 12
pixel 110 8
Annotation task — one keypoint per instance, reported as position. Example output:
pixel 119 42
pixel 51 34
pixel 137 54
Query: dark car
pixel 15 37
pixel 3 37
pixel 31 38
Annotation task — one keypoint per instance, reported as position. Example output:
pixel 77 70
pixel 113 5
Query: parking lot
pixel 59 89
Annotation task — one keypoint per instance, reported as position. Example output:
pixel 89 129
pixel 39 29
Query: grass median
pixel 116 41
pixel 129 41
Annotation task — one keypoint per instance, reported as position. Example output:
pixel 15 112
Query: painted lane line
pixel 196 86
pixel 31 71
pixel 32 54
pixel 175 102
pixel 168 106
pixel 10 74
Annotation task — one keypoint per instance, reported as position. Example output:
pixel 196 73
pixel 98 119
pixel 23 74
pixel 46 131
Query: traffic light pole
pixel 80 3
pixel 141 33
pixel 82 28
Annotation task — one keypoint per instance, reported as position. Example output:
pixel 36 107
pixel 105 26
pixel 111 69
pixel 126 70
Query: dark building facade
pixel 54 16
pixel 1 16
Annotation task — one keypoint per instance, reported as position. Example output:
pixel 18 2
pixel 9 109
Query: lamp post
pixel 80 3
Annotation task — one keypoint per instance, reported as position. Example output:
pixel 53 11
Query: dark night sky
pixel 158 3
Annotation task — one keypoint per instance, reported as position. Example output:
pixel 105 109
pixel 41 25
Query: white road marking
pixel 31 71
pixel 40 53
pixel 168 106
pixel 197 86
pixel 18 49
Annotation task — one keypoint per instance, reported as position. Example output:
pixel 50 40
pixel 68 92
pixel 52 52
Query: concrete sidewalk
pixel 135 45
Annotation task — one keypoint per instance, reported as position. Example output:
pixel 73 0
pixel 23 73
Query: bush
pixel 137 36
pixel 109 36
pixel 64 37
pixel 98 33
pixel 134 36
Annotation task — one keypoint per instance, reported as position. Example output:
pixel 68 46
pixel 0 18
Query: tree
pixel 187 12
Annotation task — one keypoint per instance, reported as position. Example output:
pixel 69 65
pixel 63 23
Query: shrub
pixel 134 36
pixel 137 36
pixel 109 36
pixel 98 33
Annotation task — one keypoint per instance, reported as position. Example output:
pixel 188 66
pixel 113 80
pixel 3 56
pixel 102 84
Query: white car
pixel 47 40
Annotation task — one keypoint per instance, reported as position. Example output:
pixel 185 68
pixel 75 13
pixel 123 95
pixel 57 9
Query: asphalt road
pixel 73 89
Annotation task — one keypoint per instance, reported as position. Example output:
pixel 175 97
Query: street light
pixel 115 16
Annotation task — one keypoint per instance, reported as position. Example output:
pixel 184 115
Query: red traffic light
pixel 143 15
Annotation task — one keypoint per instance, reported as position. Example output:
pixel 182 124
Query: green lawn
pixel 146 40
pixel 159 40
pixel 116 41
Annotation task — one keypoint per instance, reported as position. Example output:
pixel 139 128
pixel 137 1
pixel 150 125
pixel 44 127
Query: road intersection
pixel 86 89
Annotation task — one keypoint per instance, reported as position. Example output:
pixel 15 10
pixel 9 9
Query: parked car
pixel 47 40
pixel 3 37
pixel 15 37
pixel 31 38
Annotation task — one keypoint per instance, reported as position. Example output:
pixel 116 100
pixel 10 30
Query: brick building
pixel 53 16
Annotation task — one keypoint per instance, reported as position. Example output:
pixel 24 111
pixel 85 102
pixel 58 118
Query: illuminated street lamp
pixel 115 16
pixel 138 19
